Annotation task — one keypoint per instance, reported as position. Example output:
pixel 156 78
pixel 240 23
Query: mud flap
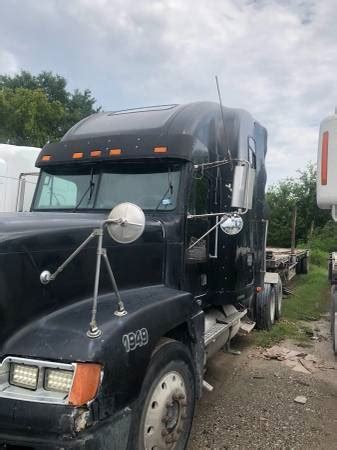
pixel 271 278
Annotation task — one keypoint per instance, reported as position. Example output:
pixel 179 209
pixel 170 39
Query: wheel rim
pixel 166 413
pixel 272 307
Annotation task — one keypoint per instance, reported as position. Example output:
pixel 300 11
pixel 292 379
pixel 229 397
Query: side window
pixel 199 200
pixel 252 152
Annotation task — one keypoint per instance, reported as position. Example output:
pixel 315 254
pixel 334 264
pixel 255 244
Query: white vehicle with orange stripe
pixel 327 199
pixel 18 177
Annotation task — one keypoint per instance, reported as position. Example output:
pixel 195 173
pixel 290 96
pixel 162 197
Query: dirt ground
pixel 252 405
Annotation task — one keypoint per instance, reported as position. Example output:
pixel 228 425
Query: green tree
pixel 283 197
pixel 38 108
pixel 27 117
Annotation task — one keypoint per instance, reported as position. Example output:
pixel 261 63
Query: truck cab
pixel 112 356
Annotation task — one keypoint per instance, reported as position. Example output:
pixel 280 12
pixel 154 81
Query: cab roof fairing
pixel 193 132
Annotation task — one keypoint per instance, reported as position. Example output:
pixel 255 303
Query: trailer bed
pixel 287 262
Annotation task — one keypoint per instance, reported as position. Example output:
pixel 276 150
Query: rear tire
pixel 305 265
pixel 164 413
pixel 278 298
pixel 265 308
pixel 302 266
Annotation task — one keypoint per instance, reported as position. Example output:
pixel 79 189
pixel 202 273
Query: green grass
pixel 311 297
pixel 318 257
pixel 310 300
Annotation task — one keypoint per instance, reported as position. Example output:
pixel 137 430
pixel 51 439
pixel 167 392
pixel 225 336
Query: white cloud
pixel 8 63
pixel 277 59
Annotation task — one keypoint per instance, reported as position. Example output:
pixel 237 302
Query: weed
pixel 311 299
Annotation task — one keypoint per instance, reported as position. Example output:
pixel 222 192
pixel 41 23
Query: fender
pixel 152 312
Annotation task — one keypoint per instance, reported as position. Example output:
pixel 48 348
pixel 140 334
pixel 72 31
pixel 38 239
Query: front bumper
pixel 37 425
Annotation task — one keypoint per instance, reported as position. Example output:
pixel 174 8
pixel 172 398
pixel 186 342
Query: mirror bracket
pixel 224 217
pixel 217 224
pixel 128 218
pixel 125 224
pixel 213 164
pixel 242 183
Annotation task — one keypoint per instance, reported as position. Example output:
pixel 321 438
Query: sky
pixel 275 58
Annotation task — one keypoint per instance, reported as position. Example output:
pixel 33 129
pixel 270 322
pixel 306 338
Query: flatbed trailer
pixel 287 262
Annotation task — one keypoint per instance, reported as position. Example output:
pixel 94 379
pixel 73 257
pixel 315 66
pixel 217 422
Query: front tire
pixel 163 417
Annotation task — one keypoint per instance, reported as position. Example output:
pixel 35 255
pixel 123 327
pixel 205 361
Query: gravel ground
pixel 252 404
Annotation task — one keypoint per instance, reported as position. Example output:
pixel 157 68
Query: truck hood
pixel 33 242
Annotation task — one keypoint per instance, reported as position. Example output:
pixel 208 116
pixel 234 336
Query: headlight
pixel 74 384
pixel 24 376
pixel 58 380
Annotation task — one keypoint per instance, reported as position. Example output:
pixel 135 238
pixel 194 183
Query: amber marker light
pixel 160 149
pixel 86 382
pixel 96 153
pixel 78 155
pixel 115 151
pixel 46 158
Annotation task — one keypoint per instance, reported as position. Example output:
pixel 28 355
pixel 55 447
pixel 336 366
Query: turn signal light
pixel 46 158
pixel 96 153
pixel 86 381
pixel 78 155
pixel 160 149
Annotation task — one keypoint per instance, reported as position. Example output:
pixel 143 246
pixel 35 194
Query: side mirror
pixel 126 223
pixel 243 186
pixel 232 225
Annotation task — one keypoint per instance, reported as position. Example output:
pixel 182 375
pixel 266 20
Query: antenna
pixel 222 116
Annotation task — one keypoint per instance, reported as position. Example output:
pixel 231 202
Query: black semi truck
pixel 142 256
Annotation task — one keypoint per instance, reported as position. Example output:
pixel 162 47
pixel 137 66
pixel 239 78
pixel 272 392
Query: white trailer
pixel 18 177
pixel 327 199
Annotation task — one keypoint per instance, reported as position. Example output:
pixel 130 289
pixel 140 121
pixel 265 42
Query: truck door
pixel 197 257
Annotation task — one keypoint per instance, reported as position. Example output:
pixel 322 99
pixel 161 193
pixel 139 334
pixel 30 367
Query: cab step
pixel 220 327
pixel 214 332
pixel 246 326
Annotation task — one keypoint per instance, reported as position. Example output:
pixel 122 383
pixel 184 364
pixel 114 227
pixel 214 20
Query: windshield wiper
pixel 89 189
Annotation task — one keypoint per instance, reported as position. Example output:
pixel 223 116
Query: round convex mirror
pixel 126 223
pixel 232 225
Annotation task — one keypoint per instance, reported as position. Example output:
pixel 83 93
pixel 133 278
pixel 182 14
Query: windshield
pixel 150 187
